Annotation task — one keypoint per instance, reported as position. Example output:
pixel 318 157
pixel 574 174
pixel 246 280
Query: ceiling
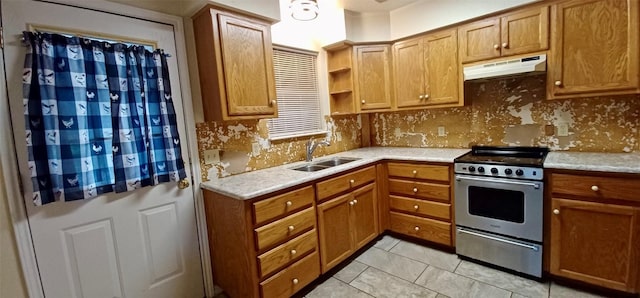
pixel 187 7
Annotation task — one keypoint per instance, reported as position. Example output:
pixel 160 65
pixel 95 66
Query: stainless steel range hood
pixel 508 67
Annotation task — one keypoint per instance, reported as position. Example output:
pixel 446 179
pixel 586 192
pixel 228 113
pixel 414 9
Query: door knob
pixel 293 252
pixel 595 188
pixel 421 96
pixel 505 45
pixel 558 83
pixel 496 46
pixel 415 207
pixel 363 101
pixel 184 183
pixel 272 102
pixel 289 203
pixel 351 203
pixel 415 189
pixel 556 211
pixel 291 228
pixel 417 228
pixel 295 281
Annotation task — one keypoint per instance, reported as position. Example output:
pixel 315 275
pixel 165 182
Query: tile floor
pixel 396 268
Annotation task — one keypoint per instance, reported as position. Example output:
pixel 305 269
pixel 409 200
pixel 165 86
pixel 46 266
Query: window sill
pixel 297 135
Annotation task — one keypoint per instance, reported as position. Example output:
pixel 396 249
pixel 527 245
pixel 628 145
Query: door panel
pixel 335 233
pixel 442 67
pixel 374 77
pixel 365 215
pixel 479 40
pixel 142 243
pixel 408 73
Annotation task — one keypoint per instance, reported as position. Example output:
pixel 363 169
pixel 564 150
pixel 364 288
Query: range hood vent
pixel 521 66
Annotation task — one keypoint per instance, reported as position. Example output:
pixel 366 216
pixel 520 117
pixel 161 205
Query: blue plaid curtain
pixel 99 118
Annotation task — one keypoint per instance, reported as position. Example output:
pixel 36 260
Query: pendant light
pixel 304 10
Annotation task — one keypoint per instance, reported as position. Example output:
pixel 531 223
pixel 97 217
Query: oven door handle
pixel 534 248
pixel 534 185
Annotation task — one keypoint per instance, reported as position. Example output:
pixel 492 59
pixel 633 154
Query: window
pixel 297 91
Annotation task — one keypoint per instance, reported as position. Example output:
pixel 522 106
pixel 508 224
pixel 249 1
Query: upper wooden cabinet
pixel 426 71
pixel 235 64
pixel 519 32
pixel 373 72
pixel 595 48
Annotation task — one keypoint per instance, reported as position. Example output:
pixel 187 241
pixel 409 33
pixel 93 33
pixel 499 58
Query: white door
pixel 136 244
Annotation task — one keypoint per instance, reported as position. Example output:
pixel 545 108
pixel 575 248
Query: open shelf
pixel 339 70
pixel 340 91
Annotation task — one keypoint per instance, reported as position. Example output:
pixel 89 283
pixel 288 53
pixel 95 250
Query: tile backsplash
pixel 514 111
pixel 235 138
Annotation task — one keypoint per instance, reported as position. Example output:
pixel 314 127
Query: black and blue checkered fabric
pixel 99 118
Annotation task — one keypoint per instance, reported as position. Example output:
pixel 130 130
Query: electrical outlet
pixel 563 129
pixel 338 136
pixel 441 131
pixel 211 156
pixel 255 149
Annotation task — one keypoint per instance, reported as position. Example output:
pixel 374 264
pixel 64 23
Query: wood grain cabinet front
pixel 420 201
pixel 595 238
pixel 426 72
pixel 235 65
pixel 520 32
pixel 588 60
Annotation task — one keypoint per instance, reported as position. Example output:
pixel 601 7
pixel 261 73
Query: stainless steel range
pixel 498 206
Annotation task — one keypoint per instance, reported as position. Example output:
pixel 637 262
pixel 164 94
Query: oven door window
pixel 495 203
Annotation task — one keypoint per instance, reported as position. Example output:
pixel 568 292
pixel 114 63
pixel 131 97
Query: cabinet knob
pixel 288 203
pixel 556 211
pixel 363 101
pixel 272 102
pixel 415 189
pixel 291 228
pixel 505 45
pixel 355 201
pixel 421 96
pixel 416 228
pixel 352 181
pixel 415 207
pixel 295 281
pixel 558 83
pixel 496 46
pixel 293 252
pixel 426 96
pixel 595 188
pixel 415 172
pixel 351 203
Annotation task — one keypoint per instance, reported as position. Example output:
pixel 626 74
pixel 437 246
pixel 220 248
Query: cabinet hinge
pixel 1 38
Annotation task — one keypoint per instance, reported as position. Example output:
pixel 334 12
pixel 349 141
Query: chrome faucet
pixel 312 145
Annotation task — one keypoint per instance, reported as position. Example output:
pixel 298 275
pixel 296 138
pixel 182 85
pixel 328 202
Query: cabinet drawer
pixel 293 278
pixel 424 228
pixel 425 190
pixel 287 252
pixel 596 187
pixel 345 182
pixel 422 207
pixel 277 206
pixel 429 172
pixel 285 228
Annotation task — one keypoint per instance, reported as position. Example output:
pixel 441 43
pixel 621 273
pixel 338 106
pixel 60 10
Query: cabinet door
pixel 365 215
pixel 248 67
pixel 374 77
pixel 596 243
pixel 334 229
pixel 525 31
pixel 479 40
pixel 408 73
pixel 595 47
pixel 441 60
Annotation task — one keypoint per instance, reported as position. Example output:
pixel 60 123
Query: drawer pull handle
pixel 295 281
pixel 289 203
pixel 415 172
pixel 351 203
pixel 416 228
pixel 595 188
pixel 293 252
pixel 415 189
pixel 556 211
pixel 291 228
pixel 416 207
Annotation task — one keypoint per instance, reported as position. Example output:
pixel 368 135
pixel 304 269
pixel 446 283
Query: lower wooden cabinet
pixel 347 223
pixel 595 240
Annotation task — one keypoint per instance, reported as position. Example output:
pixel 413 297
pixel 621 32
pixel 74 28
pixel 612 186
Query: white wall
pixel 426 15
pixel 265 8
pixel 366 27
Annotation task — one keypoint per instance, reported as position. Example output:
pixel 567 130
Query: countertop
pixel 589 161
pixel 253 184
pixel 257 183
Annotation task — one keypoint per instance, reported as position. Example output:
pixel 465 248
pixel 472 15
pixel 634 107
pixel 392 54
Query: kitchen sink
pixel 325 164
pixel 336 161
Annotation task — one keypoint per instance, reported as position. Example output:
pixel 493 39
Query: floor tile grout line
pixel 496 286
pixel 358 275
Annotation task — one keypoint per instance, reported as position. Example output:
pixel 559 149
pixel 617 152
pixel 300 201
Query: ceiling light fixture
pixel 304 10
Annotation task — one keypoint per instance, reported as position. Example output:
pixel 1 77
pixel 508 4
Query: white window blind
pixel 297 91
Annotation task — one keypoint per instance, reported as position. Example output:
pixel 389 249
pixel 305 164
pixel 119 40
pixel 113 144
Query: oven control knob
pixel 472 169
pixel 519 172
pixel 481 169
pixel 494 171
pixel 508 171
